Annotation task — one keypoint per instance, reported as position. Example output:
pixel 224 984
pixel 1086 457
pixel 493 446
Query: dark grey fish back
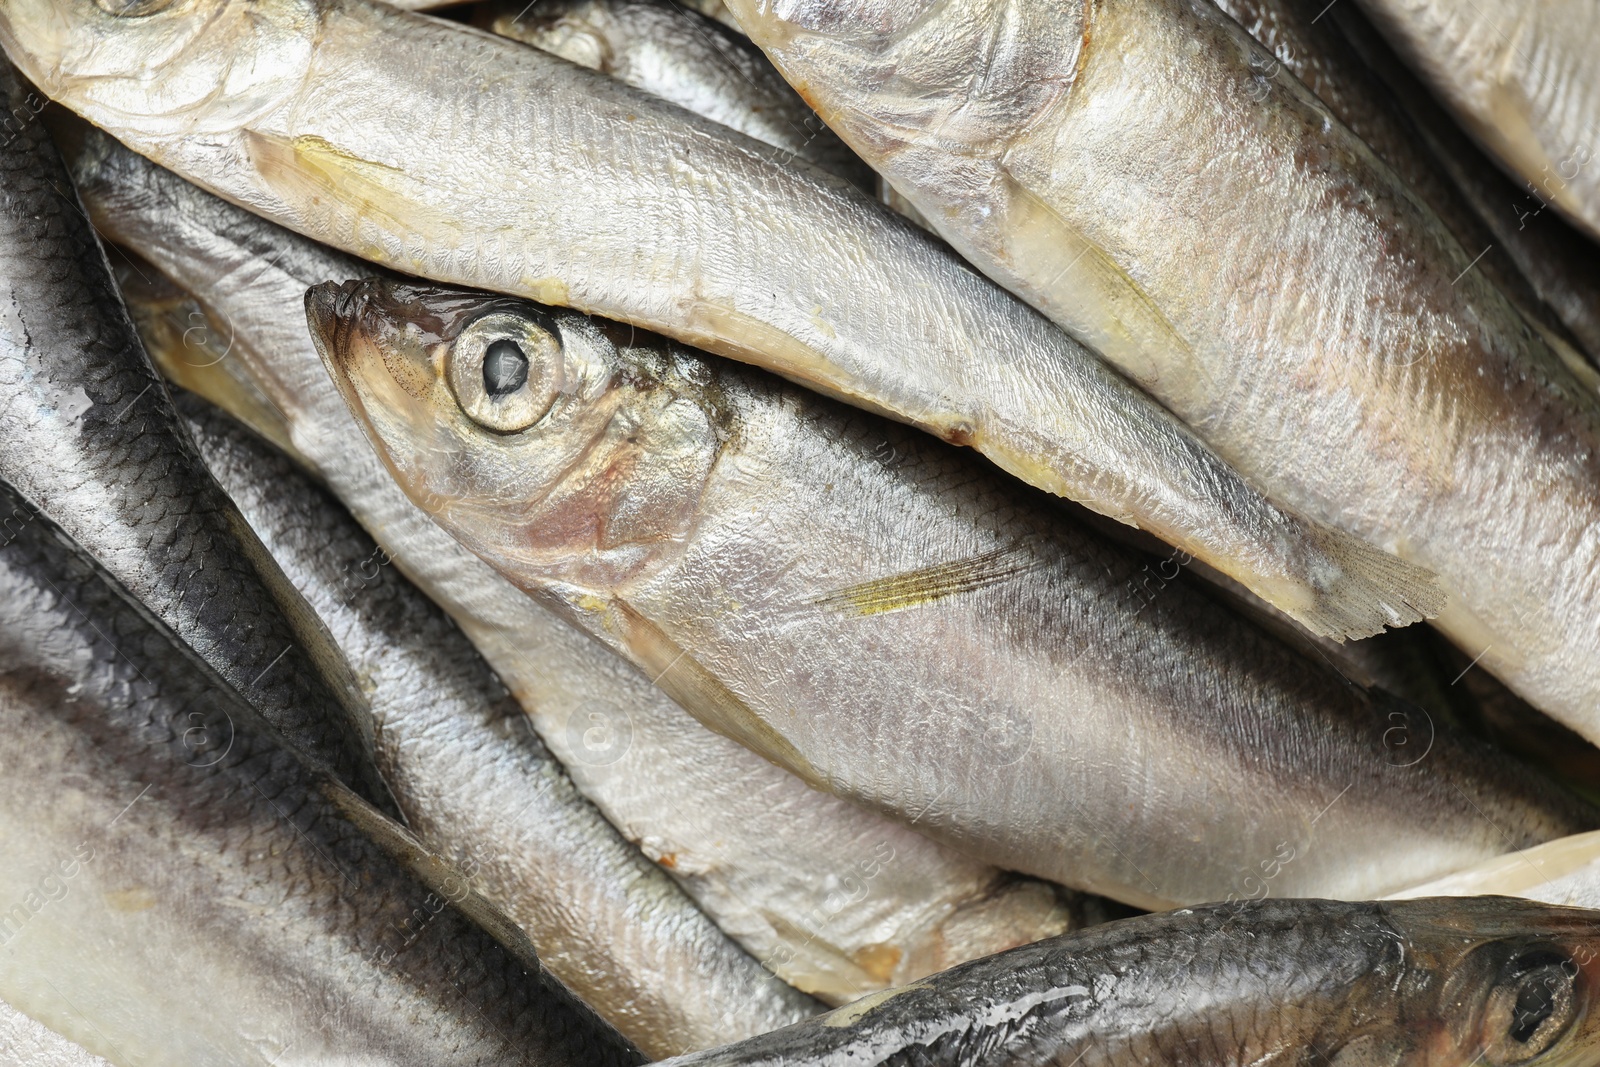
pixel 151 708
pixel 89 437
pixel 1105 995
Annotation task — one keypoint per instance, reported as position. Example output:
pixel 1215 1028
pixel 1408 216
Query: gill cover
pixel 163 67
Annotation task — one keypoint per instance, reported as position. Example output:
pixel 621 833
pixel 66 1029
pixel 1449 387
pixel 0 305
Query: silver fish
pixel 1554 256
pixel 1305 37
pixel 90 439
pixel 348 121
pixel 191 348
pixel 180 887
pixel 673 53
pixel 1521 76
pixel 1565 871
pixel 477 786
pixel 873 611
pixel 1130 168
pixel 1436 982
pixel 832 898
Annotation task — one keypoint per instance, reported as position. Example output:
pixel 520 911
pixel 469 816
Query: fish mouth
pixel 333 310
pixel 359 330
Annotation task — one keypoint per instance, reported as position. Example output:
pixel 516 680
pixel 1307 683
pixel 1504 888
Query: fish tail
pixel 1360 589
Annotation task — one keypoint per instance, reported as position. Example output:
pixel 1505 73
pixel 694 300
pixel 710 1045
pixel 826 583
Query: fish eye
pixel 133 9
pixel 1529 1009
pixel 505 367
pixel 505 370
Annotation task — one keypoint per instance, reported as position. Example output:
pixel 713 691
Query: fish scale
pixel 1520 77
pixel 477 785
pixel 154 825
pixel 92 441
pixel 1249 261
pixel 1057 718
pixel 1437 981
pixel 686 228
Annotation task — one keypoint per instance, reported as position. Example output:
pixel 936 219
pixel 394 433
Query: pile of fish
pixel 944 532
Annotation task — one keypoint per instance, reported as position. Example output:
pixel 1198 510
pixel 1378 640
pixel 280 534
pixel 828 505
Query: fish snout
pixel 332 307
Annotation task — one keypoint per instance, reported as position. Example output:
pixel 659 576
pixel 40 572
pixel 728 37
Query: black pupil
pixel 505 368
pixel 1536 1002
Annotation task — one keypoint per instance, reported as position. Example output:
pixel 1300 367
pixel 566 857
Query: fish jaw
pixel 586 495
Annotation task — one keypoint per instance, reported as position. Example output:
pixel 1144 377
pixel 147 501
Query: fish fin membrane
pixel 927 584
pixel 1371 590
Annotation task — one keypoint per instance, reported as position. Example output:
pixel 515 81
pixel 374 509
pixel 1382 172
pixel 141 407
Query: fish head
pixel 558 448
pixel 1494 981
pixel 163 67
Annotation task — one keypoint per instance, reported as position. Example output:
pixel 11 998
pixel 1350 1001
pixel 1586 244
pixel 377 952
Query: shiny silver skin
pixel 191 348
pixel 181 888
pixel 1555 257
pixel 697 63
pixel 478 787
pixel 1129 168
pixel 446 153
pixel 832 898
pixel 90 439
pixel 875 612
pixel 1564 871
pixel 1521 76
pixel 1436 163
pixel 27 1043
pixel 1425 983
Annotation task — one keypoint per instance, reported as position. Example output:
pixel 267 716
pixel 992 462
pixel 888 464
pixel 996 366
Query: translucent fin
pixel 1361 590
pixel 927 584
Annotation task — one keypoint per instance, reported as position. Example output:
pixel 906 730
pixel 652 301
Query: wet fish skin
pixel 477 786
pixel 1521 78
pixel 683 57
pixel 1334 345
pixel 1446 982
pixel 191 348
pixel 1303 36
pixel 709 523
pixel 833 898
pixel 92 441
pixel 156 826
pixel 1557 259
pixel 351 143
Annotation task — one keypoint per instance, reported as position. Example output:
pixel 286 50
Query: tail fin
pixel 1364 591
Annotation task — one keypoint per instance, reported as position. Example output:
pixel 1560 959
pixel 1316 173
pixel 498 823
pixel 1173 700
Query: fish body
pixel 1565 871
pixel 348 122
pixel 191 348
pixel 1440 982
pixel 1436 164
pixel 1521 77
pixel 92 442
pixel 869 609
pixel 1553 255
pixel 26 1043
pixel 181 887
pixel 683 57
pixel 1129 168
pixel 478 787
pixel 832 898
